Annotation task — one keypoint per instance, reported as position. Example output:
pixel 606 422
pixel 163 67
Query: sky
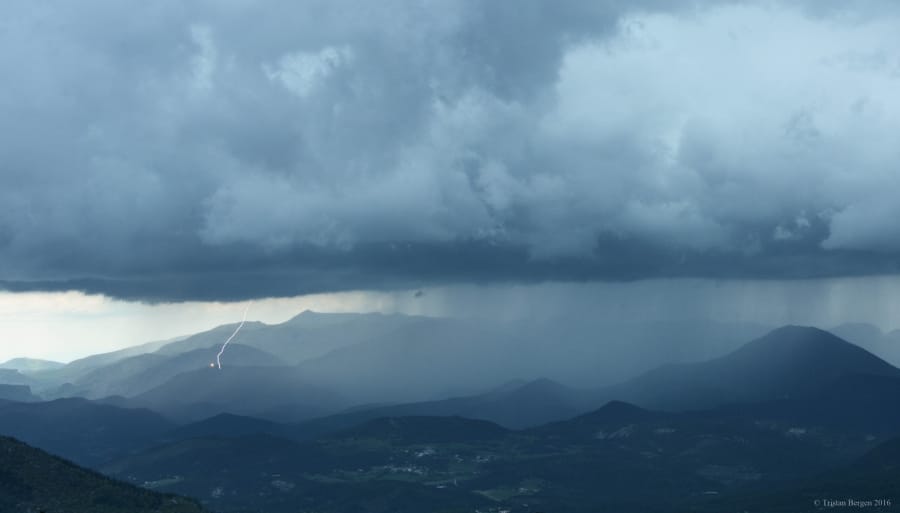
pixel 176 156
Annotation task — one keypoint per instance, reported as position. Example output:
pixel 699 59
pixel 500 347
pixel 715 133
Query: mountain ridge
pixel 32 480
pixel 791 361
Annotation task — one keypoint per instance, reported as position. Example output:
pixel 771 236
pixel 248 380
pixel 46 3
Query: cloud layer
pixel 226 150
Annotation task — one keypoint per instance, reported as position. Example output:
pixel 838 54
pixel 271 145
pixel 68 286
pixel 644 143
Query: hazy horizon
pixel 53 323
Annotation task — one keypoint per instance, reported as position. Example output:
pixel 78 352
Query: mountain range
pixel 135 375
pixel 789 362
pixel 771 419
pixel 352 355
pixel 30 365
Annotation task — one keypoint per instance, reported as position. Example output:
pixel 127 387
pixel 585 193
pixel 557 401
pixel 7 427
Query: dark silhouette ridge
pixel 32 480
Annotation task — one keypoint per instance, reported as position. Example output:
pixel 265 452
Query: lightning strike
pixel 225 345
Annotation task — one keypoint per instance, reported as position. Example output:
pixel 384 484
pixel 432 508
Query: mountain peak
pixel 30 364
pixel 313 317
pixel 801 357
pixel 231 425
pixel 788 362
pixel 802 334
pixel 806 349
pixel 542 386
pixel 616 407
pixel 618 411
pixel 616 414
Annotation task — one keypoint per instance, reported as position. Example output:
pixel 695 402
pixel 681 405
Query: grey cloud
pixel 224 150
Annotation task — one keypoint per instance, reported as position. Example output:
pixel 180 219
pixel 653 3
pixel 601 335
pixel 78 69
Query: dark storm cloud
pixel 225 150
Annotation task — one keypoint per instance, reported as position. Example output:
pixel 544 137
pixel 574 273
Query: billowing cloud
pixel 226 150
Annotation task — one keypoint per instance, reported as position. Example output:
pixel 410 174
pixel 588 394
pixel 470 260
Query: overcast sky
pixel 208 151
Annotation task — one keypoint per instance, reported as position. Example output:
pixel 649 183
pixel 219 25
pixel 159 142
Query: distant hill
pixel 614 414
pixel 533 403
pixel 77 368
pixel 515 405
pixel 425 430
pixel 21 393
pixel 354 355
pixel 85 432
pixel 458 357
pixel 214 336
pixel 137 374
pixel 30 364
pixel 33 481
pixel 229 425
pixel 106 380
pixel 789 362
pixel 303 337
pixel 311 334
pixel 194 395
pixel 14 377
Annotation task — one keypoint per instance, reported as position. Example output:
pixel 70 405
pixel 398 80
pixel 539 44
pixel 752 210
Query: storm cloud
pixel 234 149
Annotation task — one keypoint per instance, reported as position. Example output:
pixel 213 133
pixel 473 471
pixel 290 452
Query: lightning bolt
pixel 236 330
